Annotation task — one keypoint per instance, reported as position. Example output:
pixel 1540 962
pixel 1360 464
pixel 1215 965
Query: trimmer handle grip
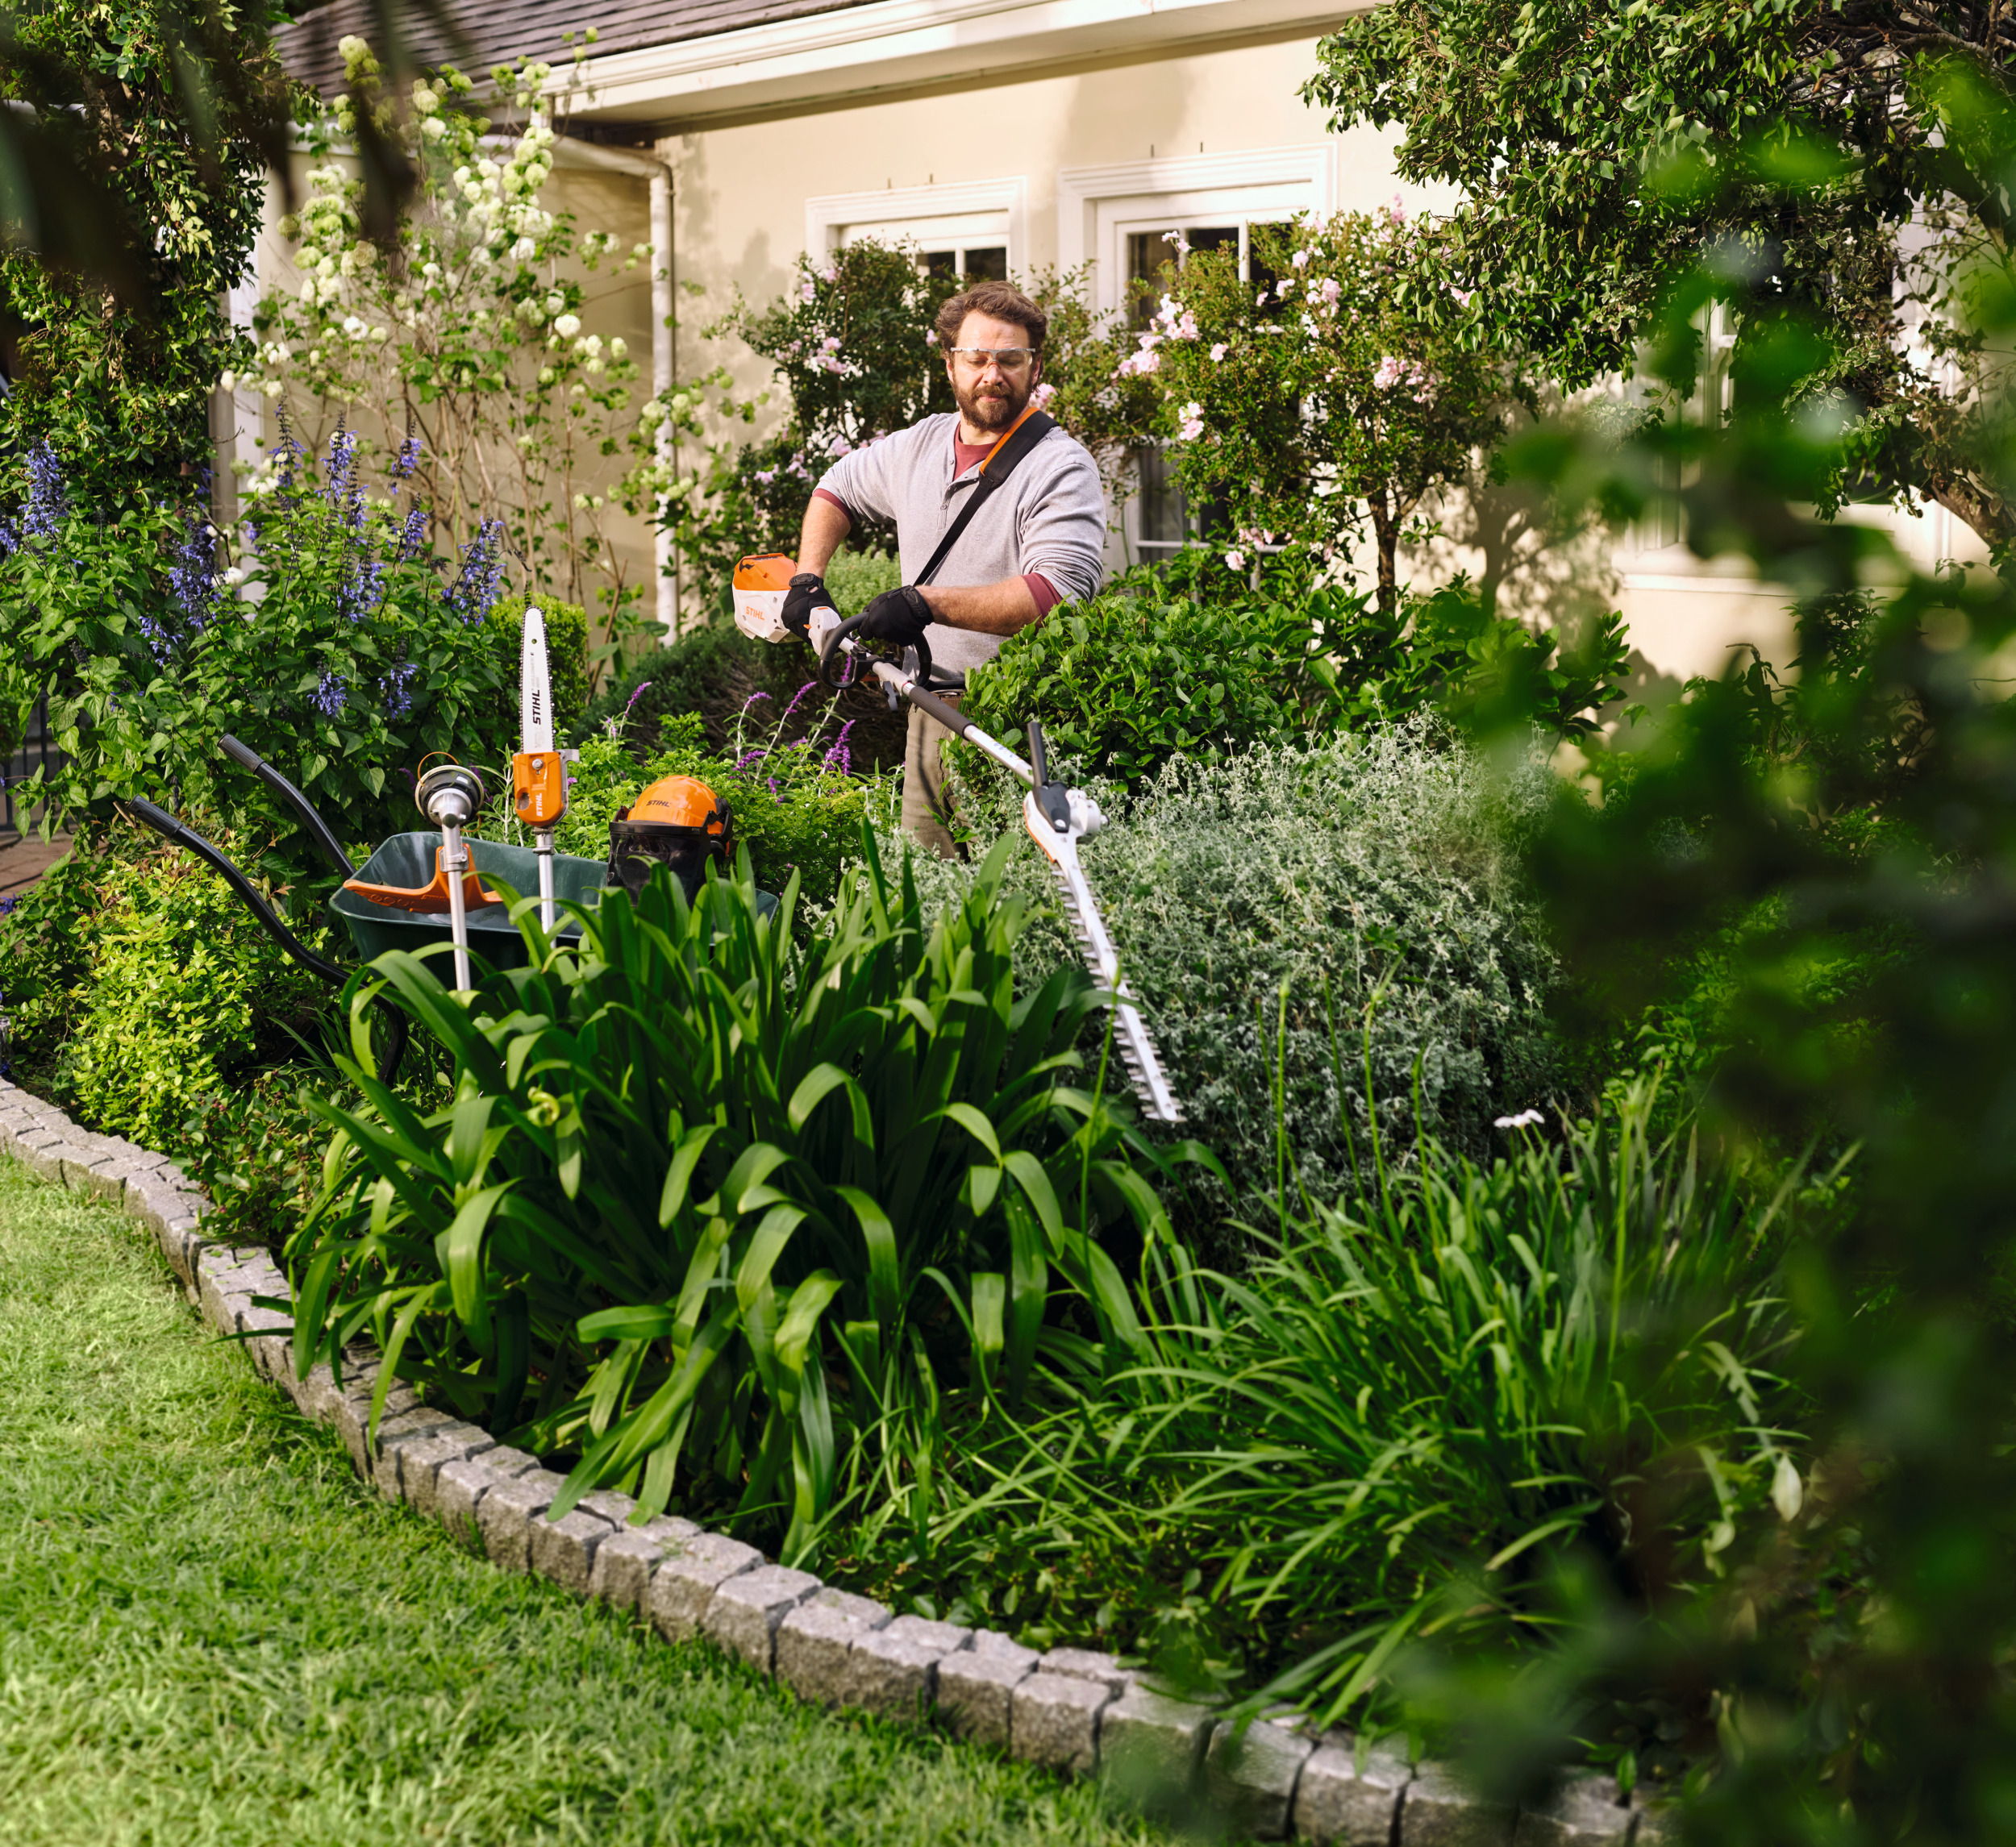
pixel 318 829
pixel 832 655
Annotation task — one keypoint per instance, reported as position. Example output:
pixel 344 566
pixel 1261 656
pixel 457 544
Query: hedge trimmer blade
pixel 1059 846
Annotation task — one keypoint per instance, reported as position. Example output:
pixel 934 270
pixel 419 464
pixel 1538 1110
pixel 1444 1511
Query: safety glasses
pixel 1009 359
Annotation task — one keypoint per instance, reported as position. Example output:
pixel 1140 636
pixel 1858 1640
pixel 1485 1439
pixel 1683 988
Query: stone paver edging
pixel 1075 1710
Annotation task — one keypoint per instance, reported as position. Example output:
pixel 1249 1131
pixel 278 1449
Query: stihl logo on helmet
pixel 678 822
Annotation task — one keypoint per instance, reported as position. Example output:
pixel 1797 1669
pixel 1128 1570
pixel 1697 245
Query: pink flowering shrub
pixel 1337 397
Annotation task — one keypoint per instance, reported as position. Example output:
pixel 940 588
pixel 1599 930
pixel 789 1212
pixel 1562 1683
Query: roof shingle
pixel 508 29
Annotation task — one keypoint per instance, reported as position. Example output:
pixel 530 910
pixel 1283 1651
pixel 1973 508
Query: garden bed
pixel 1072 1709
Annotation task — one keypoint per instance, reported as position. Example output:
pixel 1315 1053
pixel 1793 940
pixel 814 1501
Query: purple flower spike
pixel 413 534
pixel 473 593
pixel 47 501
pixel 193 578
pixel 330 697
pixel 396 690
pixel 408 458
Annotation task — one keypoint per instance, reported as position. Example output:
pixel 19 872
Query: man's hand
pixel 807 593
pixel 899 617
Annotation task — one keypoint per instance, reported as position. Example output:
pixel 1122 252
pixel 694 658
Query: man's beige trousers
pixel 926 805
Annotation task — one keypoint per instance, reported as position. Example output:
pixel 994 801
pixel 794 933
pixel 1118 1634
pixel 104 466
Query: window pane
pixel 1161 515
pixel 941 265
pixel 987 265
pixel 1214 237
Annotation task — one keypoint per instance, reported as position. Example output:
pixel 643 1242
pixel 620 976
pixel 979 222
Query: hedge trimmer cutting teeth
pixel 1058 819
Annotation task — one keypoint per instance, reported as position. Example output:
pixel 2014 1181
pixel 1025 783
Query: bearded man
pixel 1037 539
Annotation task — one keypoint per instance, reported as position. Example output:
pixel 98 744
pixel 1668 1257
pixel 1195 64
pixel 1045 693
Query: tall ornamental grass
pixel 1417 1404
pixel 1426 1396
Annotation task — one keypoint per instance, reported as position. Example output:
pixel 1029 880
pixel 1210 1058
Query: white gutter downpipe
pixel 664 377
pixel 664 363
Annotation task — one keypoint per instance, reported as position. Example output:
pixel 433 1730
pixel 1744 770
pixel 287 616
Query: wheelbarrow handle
pixel 324 837
pixel 169 829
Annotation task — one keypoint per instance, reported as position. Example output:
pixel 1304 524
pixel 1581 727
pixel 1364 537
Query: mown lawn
pixel 210 1632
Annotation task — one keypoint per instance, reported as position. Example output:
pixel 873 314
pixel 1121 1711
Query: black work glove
pixel 808 591
pixel 898 616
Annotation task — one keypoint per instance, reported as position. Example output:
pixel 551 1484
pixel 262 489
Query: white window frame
pixel 1099 208
pixel 914 211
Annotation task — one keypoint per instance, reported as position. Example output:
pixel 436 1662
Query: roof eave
pixel 831 58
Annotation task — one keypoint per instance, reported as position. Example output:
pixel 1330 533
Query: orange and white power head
pixel 760 583
pixel 539 774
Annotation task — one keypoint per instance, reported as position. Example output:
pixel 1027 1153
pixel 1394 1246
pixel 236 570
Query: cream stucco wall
pixel 739 203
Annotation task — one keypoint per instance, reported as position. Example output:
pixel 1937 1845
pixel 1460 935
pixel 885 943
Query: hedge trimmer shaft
pixel 1057 819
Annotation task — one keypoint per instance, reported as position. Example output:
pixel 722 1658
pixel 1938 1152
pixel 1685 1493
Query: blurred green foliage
pixel 1847 1680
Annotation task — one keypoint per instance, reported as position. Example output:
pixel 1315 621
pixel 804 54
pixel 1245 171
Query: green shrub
pixel 45 947
pixel 1123 683
pixel 256 1147
pixel 1316 934
pixel 164 990
pixel 1147 672
pixel 857 578
pixel 710 1206
pixel 794 808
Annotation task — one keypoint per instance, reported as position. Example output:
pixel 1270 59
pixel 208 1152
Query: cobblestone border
pixel 1072 1709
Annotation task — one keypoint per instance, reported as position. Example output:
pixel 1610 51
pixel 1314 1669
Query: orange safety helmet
pixel 679 822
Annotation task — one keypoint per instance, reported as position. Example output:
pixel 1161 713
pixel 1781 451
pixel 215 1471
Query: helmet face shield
pixel 635 847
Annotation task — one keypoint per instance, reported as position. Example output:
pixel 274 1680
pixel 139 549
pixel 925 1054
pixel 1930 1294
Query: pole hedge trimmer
pixel 1057 817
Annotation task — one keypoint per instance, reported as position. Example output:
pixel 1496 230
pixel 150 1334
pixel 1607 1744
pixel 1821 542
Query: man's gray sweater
pixel 1047 519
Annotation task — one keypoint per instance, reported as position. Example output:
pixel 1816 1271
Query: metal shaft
pixel 543 845
pixel 455 860
pixel 949 716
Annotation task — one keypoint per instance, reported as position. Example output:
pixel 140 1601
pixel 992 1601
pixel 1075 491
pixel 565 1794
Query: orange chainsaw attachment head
pixel 430 900
pixel 539 787
pixel 678 822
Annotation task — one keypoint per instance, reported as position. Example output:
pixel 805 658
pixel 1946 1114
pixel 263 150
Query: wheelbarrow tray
pixel 407 860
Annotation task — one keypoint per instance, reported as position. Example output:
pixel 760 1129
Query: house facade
pixel 1006 137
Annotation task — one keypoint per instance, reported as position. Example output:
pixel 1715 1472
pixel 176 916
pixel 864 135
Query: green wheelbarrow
pixel 406 860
